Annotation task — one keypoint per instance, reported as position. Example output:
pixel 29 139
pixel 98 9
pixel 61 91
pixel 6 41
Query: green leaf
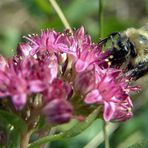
pixel 13 120
pixel 3 133
pixel 11 135
pixel 13 138
pixel 75 130
pixel 81 126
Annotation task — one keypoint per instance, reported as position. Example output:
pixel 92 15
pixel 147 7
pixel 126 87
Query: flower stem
pixel 100 18
pixel 106 137
pixel 60 14
pixel 25 137
pixel 45 140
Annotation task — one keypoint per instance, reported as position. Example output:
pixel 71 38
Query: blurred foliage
pixel 143 144
pixel 21 17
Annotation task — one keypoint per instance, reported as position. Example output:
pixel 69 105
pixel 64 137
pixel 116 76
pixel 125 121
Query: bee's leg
pixel 110 36
pixel 140 70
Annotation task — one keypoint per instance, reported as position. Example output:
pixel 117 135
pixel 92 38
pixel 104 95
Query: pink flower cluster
pixel 59 66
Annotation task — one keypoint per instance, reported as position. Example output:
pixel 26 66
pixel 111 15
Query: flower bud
pixel 57 111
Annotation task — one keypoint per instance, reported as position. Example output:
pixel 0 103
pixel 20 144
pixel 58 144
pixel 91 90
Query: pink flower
pixel 45 67
pixel 22 78
pixel 111 92
pixel 85 81
pixel 58 89
pixel 49 40
pixel 78 47
pixel 123 111
pixel 17 87
pixel 82 51
pixel 86 58
pixel 57 111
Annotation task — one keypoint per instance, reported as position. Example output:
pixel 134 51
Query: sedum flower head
pixel 69 72
pixel 16 81
pixel 111 92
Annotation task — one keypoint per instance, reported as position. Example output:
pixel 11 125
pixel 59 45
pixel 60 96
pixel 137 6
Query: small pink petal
pixel 80 32
pixel 80 65
pixel 36 86
pixel 135 88
pixel 129 101
pixel 3 63
pixel 19 101
pixel 23 49
pixel 109 109
pixel 93 97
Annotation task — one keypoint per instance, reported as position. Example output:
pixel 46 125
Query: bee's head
pixel 139 39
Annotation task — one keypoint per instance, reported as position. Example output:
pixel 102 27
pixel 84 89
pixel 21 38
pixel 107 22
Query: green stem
pixel 45 140
pixel 60 14
pixel 100 18
pixel 106 137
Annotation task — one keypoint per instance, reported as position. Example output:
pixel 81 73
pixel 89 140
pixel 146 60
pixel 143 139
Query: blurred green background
pixel 22 17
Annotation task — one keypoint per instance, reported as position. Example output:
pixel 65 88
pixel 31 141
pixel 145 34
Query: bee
pixel 129 50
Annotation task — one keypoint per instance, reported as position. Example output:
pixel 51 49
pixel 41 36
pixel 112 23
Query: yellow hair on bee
pixel 139 38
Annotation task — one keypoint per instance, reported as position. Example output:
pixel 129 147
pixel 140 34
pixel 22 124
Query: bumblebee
pixel 129 50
